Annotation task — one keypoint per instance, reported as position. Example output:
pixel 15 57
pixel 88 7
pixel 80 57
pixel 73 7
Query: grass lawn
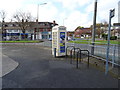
pixel 20 41
pixel 98 42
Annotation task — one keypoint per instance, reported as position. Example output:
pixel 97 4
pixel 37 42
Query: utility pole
pixel 94 28
pixel 112 14
pixel 38 10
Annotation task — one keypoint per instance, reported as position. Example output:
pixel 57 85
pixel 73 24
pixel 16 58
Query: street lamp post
pixel 36 33
pixel 64 21
pixel 38 10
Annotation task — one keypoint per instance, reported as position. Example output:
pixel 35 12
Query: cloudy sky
pixel 71 13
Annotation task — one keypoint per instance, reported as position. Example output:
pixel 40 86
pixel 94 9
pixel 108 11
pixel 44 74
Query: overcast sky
pixel 71 13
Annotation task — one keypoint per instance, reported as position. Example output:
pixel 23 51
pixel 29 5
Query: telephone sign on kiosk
pixel 59 40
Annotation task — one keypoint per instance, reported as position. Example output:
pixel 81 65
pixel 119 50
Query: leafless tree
pixel 3 15
pixel 105 25
pixel 23 19
pixel 104 29
pixel 98 29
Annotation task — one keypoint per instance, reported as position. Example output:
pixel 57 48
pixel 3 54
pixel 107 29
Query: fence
pixel 100 51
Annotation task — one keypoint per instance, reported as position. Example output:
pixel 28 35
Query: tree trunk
pixel 24 37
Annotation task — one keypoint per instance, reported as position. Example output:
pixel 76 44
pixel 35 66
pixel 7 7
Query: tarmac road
pixel 38 69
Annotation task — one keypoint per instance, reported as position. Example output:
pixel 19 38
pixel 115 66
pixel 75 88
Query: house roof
pixel 32 25
pixel 83 31
pixel 70 31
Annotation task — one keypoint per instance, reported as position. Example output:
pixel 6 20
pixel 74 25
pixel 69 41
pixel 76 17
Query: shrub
pixel 113 38
pixel 104 36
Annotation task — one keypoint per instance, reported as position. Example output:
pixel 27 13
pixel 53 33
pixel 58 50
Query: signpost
pixel 112 14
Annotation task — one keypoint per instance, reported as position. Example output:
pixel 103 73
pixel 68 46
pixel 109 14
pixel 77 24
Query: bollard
pixel 55 52
pixel 71 57
pixel 66 52
pixel 77 61
pixel 80 57
pixel 88 59
pixel 74 53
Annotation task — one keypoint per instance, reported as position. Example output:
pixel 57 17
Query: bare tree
pixel 104 29
pixel 98 29
pixel 24 20
pixel 105 25
pixel 3 16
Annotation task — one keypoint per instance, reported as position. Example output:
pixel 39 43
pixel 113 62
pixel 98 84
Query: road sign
pixel 112 13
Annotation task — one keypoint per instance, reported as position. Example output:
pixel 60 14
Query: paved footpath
pixel 8 65
pixel 39 69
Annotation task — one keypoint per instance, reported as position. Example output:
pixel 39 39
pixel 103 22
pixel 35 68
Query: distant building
pixel 70 35
pixel 100 29
pixel 116 26
pixel 116 30
pixel 33 30
pixel 82 32
pixel 119 12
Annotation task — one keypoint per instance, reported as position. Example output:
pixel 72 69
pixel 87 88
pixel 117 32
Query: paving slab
pixel 8 65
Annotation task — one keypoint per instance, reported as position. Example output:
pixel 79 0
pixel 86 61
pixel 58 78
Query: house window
pixel 41 30
pixel 10 25
pixel 77 30
pixel 15 30
pixel 9 30
pixel 45 30
pixel 42 24
pixel 17 25
pixel 77 35
pixel 14 25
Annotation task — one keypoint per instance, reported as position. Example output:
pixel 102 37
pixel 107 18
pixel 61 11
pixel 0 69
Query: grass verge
pixel 98 42
pixel 20 41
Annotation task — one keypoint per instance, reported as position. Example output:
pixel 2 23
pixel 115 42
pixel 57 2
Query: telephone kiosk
pixel 59 41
